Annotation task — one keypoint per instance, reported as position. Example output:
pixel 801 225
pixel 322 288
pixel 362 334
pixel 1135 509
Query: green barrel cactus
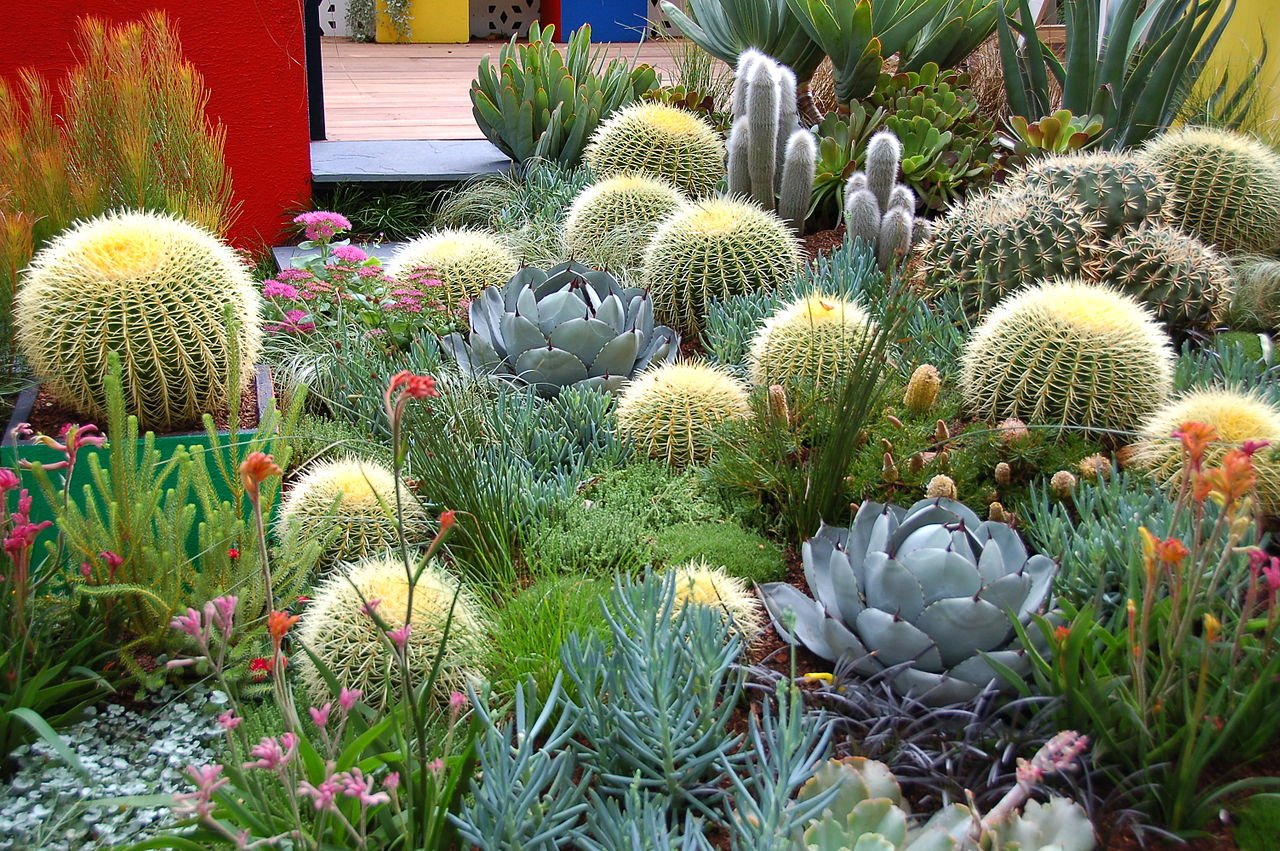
pixel 1068 353
pixel 336 627
pixel 1226 187
pixel 1236 415
pixel 671 412
pixel 1255 300
pixel 660 141
pixel 713 249
pixel 929 588
pixel 1122 190
pixel 157 291
pixel 998 242
pixel 568 325
pixel 815 340
pixel 353 501
pixel 611 222
pixel 1187 283
pixel 465 261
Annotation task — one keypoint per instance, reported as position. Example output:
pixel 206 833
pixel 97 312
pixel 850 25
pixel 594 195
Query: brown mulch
pixel 823 242
pixel 49 416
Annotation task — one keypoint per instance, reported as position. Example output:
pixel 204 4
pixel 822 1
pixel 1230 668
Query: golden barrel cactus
pixel 465 261
pixel 671 412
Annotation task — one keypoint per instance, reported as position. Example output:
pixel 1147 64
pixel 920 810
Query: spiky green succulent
pixel 671 412
pixel 930 586
pixel 716 248
pixel 1255 300
pixel 660 141
pixel 157 291
pixel 611 222
pixel 1068 353
pixel 351 503
pixel 564 326
pixel 464 260
pixel 1187 283
pixel 998 242
pixel 1122 190
pixel 1226 186
pixel 346 639
pixel 812 341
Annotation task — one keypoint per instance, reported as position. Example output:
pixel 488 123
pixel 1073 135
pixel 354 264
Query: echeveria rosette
pixel 930 588
pixel 564 326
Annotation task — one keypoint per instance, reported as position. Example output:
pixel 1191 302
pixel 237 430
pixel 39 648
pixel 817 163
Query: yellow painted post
pixel 430 22
pixel 1241 44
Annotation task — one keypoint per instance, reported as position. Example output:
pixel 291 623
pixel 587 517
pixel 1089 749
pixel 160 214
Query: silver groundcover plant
pixel 931 589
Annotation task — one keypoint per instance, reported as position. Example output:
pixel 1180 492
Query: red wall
pixel 251 55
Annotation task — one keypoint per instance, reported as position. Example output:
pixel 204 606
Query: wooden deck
pixel 416 91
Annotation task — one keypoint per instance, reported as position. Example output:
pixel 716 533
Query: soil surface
pixel 49 416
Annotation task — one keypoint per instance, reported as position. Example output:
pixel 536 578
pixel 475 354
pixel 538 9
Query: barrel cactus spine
pixel 703 584
pixel 157 291
pixel 464 260
pixel 671 412
pixel 659 141
pixel 813 341
pixel 610 222
pixel 1121 189
pixel 1187 283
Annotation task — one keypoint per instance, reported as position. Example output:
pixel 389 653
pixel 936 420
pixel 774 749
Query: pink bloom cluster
pixel 321 224
pixel 1267 569
pixel 22 532
pixel 353 784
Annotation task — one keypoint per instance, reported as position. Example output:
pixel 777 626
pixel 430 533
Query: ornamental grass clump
pixel 169 297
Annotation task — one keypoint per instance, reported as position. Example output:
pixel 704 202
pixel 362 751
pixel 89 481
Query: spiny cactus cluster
pixel 1226 187
pixel 346 639
pixel 611 222
pixel 878 209
pixel 1068 353
pixel 464 260
pixel 671 413
pixel 716 248
pixel 1122 190
pixel 771 158
pixel 1236 416
pixel 812 341
pixel 353 501
pixel 1186 283
pixel 154 289
pixel 660 141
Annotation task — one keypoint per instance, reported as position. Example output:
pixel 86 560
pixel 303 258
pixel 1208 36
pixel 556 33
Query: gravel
pixel 47 805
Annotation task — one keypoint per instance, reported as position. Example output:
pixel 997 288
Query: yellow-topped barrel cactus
pixel 1068 353
pixel 812 341
pixel 154 289
pixel 355 502
pixel 337 627
pixel 611 222
pixel 465 260
pixel 701 584
pixel 660 141
pixel 671 412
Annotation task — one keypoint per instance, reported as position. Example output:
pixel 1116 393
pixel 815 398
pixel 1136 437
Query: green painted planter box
pixel 13 450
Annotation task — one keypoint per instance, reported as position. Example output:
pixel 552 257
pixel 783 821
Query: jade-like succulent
pixel 464 260
pixel 930 586
pixel 1226 187
pixel 1185 282
pixel 671 412
pixel 922 389
pixel 1059 133
pixel 701 584
pixel 611 222
pixel 1235 415
pixel 564 326
pixel 716 248
pixel 813 341
pixel 353 501
pixel 660 141
pixel 998 242
pixel 1068 353
pixel 879 210
pixel 771 157
pixel 1122 190
pixel 337 628
pixel 152 288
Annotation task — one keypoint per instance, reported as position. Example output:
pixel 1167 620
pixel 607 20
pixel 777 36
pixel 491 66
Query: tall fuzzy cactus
pixel 880 210
pixel 772 158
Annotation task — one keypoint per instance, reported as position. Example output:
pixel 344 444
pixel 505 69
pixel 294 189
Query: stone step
pixel 394 161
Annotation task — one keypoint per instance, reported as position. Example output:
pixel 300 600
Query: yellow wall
pixel 1241 44
pixel 431 22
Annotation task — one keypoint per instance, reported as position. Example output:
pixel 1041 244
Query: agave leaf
pixel 519 335
pixel 485 313
pixel 526 304
pixel 1008 592
pixel 665 346
pixel 549 369
pixel 617 356
pixel 610 384
pixel 786 605
pixel 560 307
pixel 610 310
pixel 979 670
pixel 583 338
pixel 1041 569
pixel 895 641
pixel 891 587
pixel 933 689
pixel 961 626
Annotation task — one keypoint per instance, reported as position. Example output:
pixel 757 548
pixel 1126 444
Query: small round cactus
pixel 610 222
pixel 660 141
pixel 922 389
pixel 671 412
pixel 353 500
pixel 699 583
pixel 940 486
pixel 1226 186
pixel 714 249
pixel 1120 189
pixel 1068 353
pixel 1187 283
pixel 346 639
pixel 153 289
pixel 464 260
pixel 1235 415
pixel 813 341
